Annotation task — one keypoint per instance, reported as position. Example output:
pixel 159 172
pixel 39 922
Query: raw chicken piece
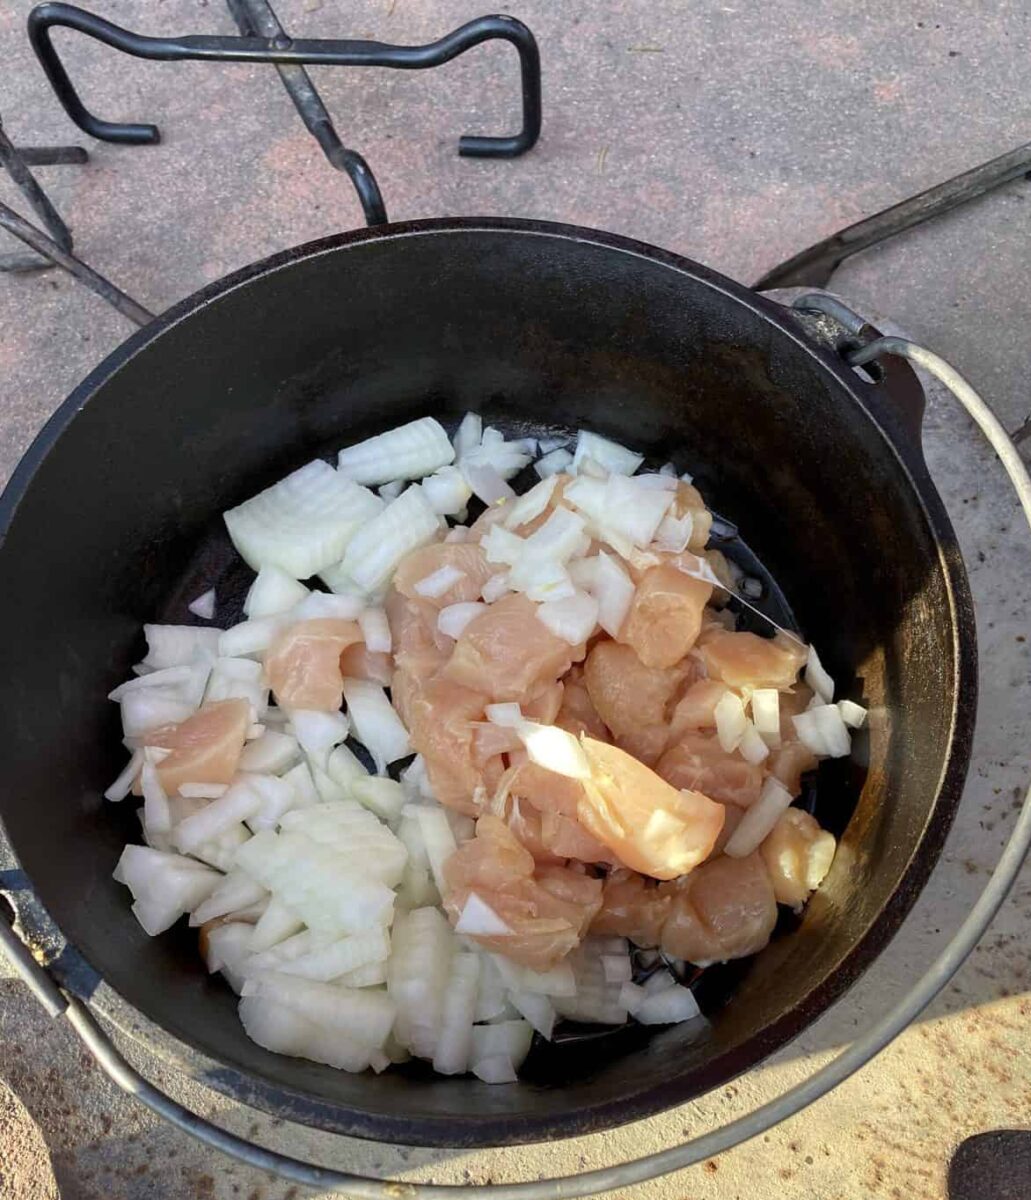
pixel 418 646
pixel 698 761
pixel 525 823
pixel 547 909
pixel 665 616
pixel 545 790
pixel 789 762
pixel 552 837
pixel 440 717
pixel 205 748
pixel 632 699
pixel 650 826
pixel 577 714
pixel 506 653
pixel 798 855
pixel 358 662
pixel 725 909
pixel 467 557
pixel 746 660
pixel 632 907
pixel 688 499
pixel 303 663
pixel 696 708
pixel 544 705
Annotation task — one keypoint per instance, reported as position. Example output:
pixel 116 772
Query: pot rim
pixel 74 970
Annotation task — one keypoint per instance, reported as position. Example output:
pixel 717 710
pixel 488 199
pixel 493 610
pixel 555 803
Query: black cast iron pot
pixel 112 519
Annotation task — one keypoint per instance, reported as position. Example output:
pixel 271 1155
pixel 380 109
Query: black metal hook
pixel 289 55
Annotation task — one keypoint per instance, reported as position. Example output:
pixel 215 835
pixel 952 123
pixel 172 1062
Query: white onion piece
pixel 452 620
pixel 766 714
pixel 494 1068
pixel 418 970
pixel 668 1007
pixel 157 817
pixel 553 463
pixel 456 535
pixel 273 592
pixel 510 1039
pixel 509 716
pixel 614 591
pixel 235 805
pixel 277 927
pixel 674 533
pixel 554 749
pixel 477 917
pixel 852 714
pixel 341 957
pixel 500 545
pixel 317 606
pixel 572 618
pixel 503 458
pixel 376 725
pixel 631 996
pixel 318 732
pixel 251 637
pixel 655 481
pixel 178 645
pixel 633 510
pixel 345 768
pixel 468 435
pixel 610 456
pixel 238 678
pixel 752 747
pixel 437 837
pixel 362 1017
pixel 617 967
pixel 583 573
pixel 810 732
pixel 731 722
pixel 303 523
pixel 327 787
pixel 817 677
pixel 541 579
pixel 438 582
pixel 202 791
pixel 234 892
pixel 496 586
pixel 833 730
pixel 384 797
pixel 150 708
pixel 407 452
pixel 227 945
pixel 391 491
pixel 122 786
pixel 172 678
pixel 415 781
pixel 551 444
pixel 454 1044
pixel 487 484
pixel 270 754
pixel 537 1009
pixel 531 504
pixel 348 828
pixel 447 491
pixel 559 538
pixel 164 886
pixel 759 820
pixel 376 549
pixel 204 605
pixel 300 780
pixel 276 797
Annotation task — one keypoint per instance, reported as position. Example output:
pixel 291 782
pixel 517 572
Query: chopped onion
pixel 157 817
pixel 407 452
pixel 731 722
pixel 852 714
pixel 668 1007
pixel 610 456
pixel 251 637
pixel 447 491
pixel 614 591
pixel 437 837
pixel 204 605
pixel 833 730
pixel 468 435
pixel 674 533
pixel 766 714
pixel 759 820
pixel 376 549
pixel 817 677
pixel 456 535
pixel 178 645
pixel 496 586
pixel 655 481
pixel 538 1010
pixel 752 748
pixel 452 620
pixel 149 708
pixel 551 444
pixel 418 970
pixel 272 753
pixel 341 957
pixel 572 618
pixel 555 750
pixel 633 510
pixel 559 538
pixel 376 725
pixel 273 592
pixel 509 716
pixel 531 504
pixel 384 797
pixel 504 458
pixel 477 917
pixel 237 804
pixel 391 491
pixel 203 791
pixel 171 678
pixel 303 523
pixel 235 891
pixel 438 582
pixel 541 579
pixel 317 733
pixel 238 678
pixel 317 606
pixel 583 573
pixel 617 967
pixel 494 1068
pixel 278 927
pixel 299 778
pixel 553 463
pixel 345 768
pixel 454 1043
pixel 122 786
pixel 487 484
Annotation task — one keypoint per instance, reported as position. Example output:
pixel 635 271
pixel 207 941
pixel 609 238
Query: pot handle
pixel 60 1004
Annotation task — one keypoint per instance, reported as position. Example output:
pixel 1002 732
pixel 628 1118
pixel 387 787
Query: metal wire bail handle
pixel 59 1003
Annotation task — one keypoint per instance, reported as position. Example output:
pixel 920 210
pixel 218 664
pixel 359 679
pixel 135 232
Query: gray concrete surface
pixel 732 132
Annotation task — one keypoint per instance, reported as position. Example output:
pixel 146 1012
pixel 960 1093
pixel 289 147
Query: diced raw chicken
pixel 544 705
pixel 746 660
pixel 467 558
pixel 798 855
pixel 418 646
pixel 546 790
pixel 633 907
pixel 359 662
pixel 303 663
pixel 546 909
pixel 698 761
pixel 577 714
pixel 649 825
pixel 205 748
pixel 688 499
pixel 507 653
pixel 441 718
pixel 789 762
pixel 632 699
pixel 553 837
pixel 725 909
pixel 665 616
pixel 696 708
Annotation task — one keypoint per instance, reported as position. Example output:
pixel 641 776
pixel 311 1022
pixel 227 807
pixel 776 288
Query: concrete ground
pixel 731 132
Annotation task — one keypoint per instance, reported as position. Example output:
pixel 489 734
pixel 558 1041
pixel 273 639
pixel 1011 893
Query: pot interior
pixel 542 332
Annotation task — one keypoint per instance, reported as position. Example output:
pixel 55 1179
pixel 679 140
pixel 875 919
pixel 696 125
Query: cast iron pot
pixel 112 519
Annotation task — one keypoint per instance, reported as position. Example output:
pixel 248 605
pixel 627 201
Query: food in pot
pixel 455 781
